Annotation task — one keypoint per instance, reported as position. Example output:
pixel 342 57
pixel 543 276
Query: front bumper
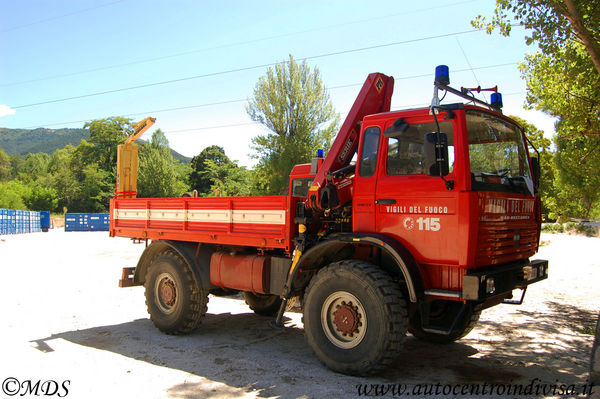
pixel 495 281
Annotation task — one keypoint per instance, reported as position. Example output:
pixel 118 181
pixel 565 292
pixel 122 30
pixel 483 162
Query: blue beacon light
pixel 442 75
pixel 496 100
pixel 320 153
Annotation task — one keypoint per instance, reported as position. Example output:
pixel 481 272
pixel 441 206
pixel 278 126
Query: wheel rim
pixel 165 292
pixel 344 319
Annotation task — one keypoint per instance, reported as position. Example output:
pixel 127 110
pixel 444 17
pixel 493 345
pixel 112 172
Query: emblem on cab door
pixel 409 223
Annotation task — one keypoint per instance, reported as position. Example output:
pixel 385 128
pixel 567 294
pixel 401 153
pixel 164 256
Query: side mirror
pixel 537 172
pixel 436 154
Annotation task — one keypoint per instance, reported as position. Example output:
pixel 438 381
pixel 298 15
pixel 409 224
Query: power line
pixel 146 112
pixel 59 16
pixel 246 68
pixel 244 100
pixel 469 64
pixel 235 44
pixel 399 107
pixel 212 127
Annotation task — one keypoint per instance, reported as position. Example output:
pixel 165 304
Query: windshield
pixel 497 154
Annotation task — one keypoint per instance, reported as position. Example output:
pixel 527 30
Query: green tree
pixel 563 80
pixel 35 166
pixel 554 24
pixel 291 101
pixel 547 188
pixel 12 193
pixel 63 179
pixel 5 167
pixel 41 197
pixel 17 165
pixel 106 135
pixel 158 174
pixel 229 179
pixel 213 171
pixel 200 177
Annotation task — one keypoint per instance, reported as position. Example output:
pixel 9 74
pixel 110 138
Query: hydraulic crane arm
pixel 139 128
pixel 374 97
pixel 127 160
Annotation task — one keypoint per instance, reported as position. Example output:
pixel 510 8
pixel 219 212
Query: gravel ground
pixel 64 319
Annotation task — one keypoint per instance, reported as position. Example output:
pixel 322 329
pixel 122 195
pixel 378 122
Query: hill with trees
pixel 26 141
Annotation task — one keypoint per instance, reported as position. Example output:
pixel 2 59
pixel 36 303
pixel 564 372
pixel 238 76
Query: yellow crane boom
pixel 127 160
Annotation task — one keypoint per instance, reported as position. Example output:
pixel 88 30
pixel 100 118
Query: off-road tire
pixel 266 305
pixel 464 327
pixel 378 319
pixel 181 312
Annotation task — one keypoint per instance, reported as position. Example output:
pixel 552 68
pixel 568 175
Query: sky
pixel 194 64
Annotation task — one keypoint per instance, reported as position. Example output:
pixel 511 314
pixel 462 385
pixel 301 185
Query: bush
pixel 571 228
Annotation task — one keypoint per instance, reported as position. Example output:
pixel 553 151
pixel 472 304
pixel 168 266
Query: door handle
pixel 385 201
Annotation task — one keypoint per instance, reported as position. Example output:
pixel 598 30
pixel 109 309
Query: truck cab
pixel 481 211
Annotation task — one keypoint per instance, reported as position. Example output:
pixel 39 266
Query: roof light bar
pixel 442 80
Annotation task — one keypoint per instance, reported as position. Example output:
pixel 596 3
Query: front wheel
pixel 354 317
pixel 175 302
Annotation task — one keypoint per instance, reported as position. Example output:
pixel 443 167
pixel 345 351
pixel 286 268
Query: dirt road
pixel 65 320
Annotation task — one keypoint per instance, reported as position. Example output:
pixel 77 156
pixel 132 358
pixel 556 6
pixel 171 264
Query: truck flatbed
pixel 263 222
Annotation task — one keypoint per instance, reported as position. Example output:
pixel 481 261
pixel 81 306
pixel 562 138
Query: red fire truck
pixel 415 220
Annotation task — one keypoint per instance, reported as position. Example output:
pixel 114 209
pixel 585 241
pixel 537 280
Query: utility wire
pixel 246 68
pixel 228 45
pixel 212 127
pixel 394 108
pixel 59 16
pixel 469 64
pixel 244 100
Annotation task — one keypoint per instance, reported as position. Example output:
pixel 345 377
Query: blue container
pixel 45 220
pixel 98 222
pixel 76 221
pixel 26 222
pixel 3 221
pixel 72 222
pixel 37 224
pixel 12 221
pixel 86 222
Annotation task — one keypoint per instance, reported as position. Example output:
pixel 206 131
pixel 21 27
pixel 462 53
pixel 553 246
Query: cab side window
pixel 370 148
pixel 405 157
pixel 406 151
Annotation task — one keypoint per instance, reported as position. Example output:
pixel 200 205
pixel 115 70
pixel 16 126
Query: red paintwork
pixel 239 272
pixel 243 234
pixel 472 232
pixel 447 231
pixel 374 97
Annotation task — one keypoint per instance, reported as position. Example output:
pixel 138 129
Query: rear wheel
pixel 442 314
pixel 266 304
pixel 354 317
pixel 175 303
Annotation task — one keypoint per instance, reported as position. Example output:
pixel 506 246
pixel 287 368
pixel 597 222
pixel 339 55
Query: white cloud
pixel 5 110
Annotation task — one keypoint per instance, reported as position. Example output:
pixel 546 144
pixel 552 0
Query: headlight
pixel 490 285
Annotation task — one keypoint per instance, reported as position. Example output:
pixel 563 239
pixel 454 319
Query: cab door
pixel 410 206
pixel 365 181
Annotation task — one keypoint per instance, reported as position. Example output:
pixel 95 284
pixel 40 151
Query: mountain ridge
pixel 24 141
